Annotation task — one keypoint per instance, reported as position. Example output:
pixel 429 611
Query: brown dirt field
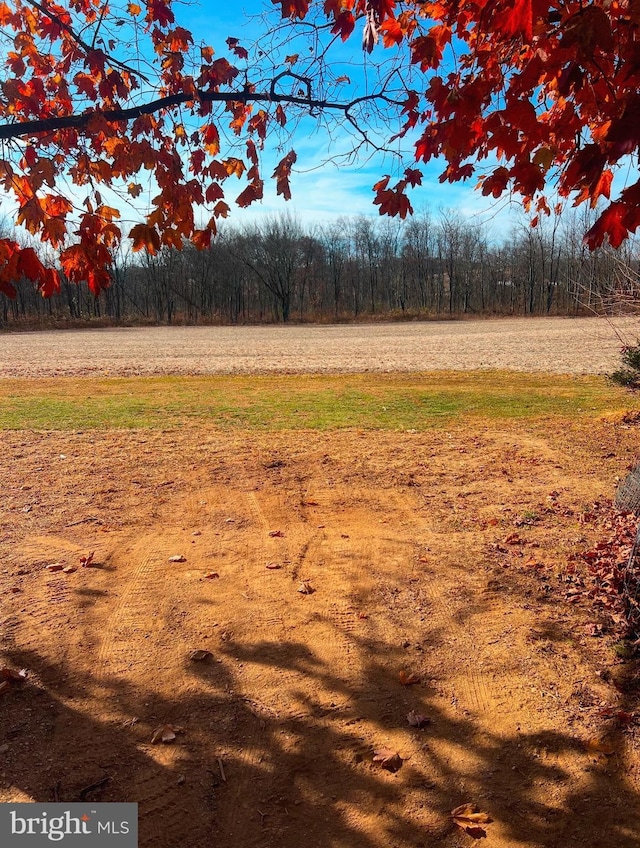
pixel 402 537
pixel 555 345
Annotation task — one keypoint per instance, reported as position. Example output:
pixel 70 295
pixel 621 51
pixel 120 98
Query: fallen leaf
pixel 305 588
pixel 624 718
pixel 310 503
pixel 408 678
pixel 600 746
pixel 200 655
pixel 513 539
pixel 166 733
pixel 87 559
pixel 69 569
pixel 177 558
pixel 418 720
pixel 469 817
pixel 54 566
pixel 276 534
pixel 273 565
pixel 212 575
pixel 13 675
pixel 388 759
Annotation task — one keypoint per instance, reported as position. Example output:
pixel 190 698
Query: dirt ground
pixel 554 345
pixel 336 584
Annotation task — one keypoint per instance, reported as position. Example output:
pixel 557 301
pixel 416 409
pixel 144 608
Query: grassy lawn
pixel 319 402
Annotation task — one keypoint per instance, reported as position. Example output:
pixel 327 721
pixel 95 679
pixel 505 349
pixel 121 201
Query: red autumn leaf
pixel 146 238
pixel 234 45
pixel 282 173
pixel 391 32
pixel 250 194
pixel 343 24
pixel 293 8
pixel 516 19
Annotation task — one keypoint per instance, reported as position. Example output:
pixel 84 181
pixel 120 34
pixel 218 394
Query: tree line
pixel 354 268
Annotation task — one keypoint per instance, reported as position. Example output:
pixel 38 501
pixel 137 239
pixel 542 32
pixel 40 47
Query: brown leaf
pixel 276 534
pixel 622 717
pixel 389 759
pixel 418 720
pixel 166 733
pixel 273 566
pixel 200 655
pixel 408 678
pixel 177 558
pixel 305 588
pixel 469 817
pixel 13 675
pixel 87 559
pixel 600 746
pixel 211 575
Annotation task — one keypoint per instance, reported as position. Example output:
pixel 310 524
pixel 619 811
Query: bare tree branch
pixel 21 129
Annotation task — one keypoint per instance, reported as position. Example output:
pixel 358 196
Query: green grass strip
pixel 315 402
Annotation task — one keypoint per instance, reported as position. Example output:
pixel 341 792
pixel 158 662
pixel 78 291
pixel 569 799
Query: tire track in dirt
pixel 256 640
pixel 137 612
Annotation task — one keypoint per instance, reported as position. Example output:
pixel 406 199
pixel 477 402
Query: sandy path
pixel 560 345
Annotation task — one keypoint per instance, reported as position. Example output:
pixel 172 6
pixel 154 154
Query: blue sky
pixel 321 189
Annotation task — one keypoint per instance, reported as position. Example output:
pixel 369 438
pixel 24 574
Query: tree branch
pixel 20 129
pixel 88 48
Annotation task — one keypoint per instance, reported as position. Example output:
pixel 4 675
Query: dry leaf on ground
pixel 305 588
pixel 211 575
pixel 273 566
pixel 166 733
pixel 408 678
pixel 276 534
pixel 87 559
pixel 13 675
pixel 388 759
pixel 470 817
pixel 600 746
pixel 418 720
pixel 200 655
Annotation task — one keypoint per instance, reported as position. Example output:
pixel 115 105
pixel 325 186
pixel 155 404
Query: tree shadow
pixel 300 768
